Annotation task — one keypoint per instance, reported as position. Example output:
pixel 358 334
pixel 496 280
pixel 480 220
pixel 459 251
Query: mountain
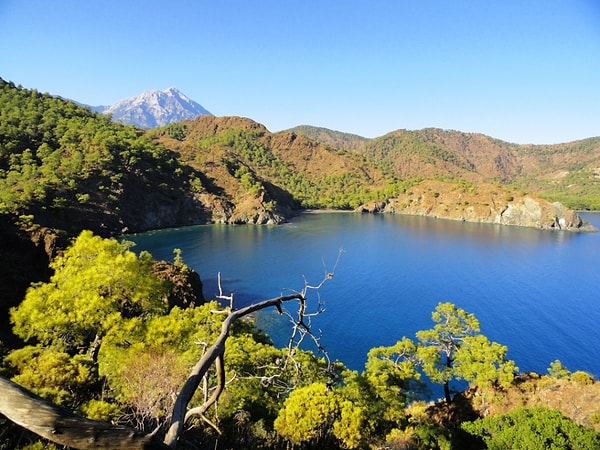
pixel 154 108
pixel 65 162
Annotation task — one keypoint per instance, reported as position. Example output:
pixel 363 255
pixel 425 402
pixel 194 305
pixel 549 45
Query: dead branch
pixel 300 330
pixel 200 410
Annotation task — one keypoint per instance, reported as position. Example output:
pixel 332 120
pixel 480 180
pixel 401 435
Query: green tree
pixel 97 283
pixel 55 375
pixel 439 344
pixel 391 373
pixel 558 370
pixel 483 363
pixel 308 415
pixel 453 348
pixel 319 416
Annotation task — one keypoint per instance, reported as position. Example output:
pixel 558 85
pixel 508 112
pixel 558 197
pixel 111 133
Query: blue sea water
pixel 537 292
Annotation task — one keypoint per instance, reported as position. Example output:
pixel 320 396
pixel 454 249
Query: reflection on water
pixel 538 292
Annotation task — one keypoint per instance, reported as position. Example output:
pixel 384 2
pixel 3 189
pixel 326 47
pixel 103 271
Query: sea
pixel 536 292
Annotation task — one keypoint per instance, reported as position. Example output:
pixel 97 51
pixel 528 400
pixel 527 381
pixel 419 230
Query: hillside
pixel 242 159
pixel 336 139
pixel 568 172
pixel 65 167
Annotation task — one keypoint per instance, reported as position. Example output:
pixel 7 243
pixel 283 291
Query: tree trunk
pixel 447 382
pixel 65 428
pixel 447 392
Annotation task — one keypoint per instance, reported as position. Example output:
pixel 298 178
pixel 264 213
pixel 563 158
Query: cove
pixel 537 292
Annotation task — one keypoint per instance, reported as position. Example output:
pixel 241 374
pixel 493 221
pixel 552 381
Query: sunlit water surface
pixel 537 292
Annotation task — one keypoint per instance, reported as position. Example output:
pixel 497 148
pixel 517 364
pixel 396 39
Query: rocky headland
pixel 480 203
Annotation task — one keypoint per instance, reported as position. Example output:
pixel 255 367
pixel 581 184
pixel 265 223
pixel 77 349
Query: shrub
pixel 533 429
pixel 581 377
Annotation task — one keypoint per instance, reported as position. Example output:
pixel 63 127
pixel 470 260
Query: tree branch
pixel 65 428
pixel 202 366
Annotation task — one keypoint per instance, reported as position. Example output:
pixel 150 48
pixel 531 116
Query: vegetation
pixel 533 429
pixel 102 340
pixel 64 165
pixel 101 334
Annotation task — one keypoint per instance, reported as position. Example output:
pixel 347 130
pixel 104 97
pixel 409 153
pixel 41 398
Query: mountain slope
pixel 239 156
pixel 63 166
pixel 568 172
pixel 154 108
pixel 336 139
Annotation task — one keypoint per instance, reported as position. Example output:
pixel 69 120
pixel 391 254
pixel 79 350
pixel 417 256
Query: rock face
pixel 543 215
pixel 186 286
pixel 481 203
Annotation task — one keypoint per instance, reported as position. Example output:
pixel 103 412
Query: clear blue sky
pixel 525 71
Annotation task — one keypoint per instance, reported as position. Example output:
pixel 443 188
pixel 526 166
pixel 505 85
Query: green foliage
pixel 146 359
pixel 97 283
pixel 558 370
pixel 54 375
pixel 177 131
pixel 533 429
pixel 581 377
pixel 392 374
pixel 439 344
pixel 454 349
pixel 316 415
pixel 483 363
pixel 99 286
pixel 308 415
pixel 421 437
pixel 101 410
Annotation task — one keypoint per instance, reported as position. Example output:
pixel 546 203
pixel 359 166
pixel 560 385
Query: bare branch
pixel 224 297
pixel 301 329
pixel 199 411
pixel 202 366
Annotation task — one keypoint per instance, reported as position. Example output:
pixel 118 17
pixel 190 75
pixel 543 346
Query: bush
pixel 581 377
pixel 533 429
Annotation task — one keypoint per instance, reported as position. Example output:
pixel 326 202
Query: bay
pixel 537 292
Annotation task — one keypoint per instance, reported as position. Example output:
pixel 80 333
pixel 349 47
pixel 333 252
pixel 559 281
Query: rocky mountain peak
pixel 154 108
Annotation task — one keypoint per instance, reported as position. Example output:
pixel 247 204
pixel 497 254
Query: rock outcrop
pixel 185 284
pixel 480 203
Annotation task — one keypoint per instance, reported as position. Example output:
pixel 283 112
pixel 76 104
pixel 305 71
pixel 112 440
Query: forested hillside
pixel 64 167
pixel 336 139
pixel 568 172
pixel 240 156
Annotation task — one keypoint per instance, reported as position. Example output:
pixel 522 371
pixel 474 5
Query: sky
pixel 521 71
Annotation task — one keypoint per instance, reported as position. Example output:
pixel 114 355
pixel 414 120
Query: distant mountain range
pixel 154 108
